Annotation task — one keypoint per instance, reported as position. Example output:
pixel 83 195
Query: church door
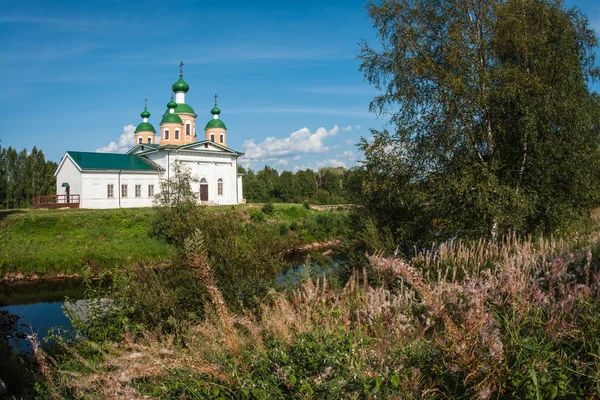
pixel 203 190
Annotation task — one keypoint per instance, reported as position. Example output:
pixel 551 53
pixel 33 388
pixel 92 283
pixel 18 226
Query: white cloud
pixel 282 161
pixel 296 158
pixel 347 154
pixel 331 163
pixel 126 142
pixel 302 141
pixel 350 128
pixel 348 141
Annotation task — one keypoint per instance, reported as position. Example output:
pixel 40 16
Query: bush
pixel 268 208
pixel 257 215
pixel 306 205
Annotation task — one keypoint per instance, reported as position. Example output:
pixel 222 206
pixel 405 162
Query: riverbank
pixel 63 243
pixel 51 242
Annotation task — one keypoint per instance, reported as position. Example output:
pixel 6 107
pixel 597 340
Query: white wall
pixel 204 165
pixel 70 174
pixel 95 189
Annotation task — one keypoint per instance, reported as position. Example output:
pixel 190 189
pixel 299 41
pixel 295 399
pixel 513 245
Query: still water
pixel 39 306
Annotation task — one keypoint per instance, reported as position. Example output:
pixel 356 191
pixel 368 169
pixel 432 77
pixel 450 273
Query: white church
pixel 108 180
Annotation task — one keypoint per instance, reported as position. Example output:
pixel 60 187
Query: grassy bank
pixel 50 242
pixel 47 242
pixel 518 319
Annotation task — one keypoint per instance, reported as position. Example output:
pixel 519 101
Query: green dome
pixel 145 114
pixel 215 111
pixel 215 123
pixel 180 86
pixel 171 104
pixel 145 127
pixel 183 108
pixel 171 119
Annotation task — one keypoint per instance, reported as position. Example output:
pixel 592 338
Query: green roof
pixel 125 162
pixel 215 123
pixel 180 86
pixel 145 114
pixel 145 127
pixel 183 109
pixel 171 119
pixel 215 111
pixel 171 103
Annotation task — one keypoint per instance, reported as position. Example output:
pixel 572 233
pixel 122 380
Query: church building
pixel 109 180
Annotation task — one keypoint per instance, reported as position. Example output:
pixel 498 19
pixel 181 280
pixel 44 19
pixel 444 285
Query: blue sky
pixel 74 75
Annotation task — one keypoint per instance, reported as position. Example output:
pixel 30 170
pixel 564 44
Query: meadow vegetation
pixel 51 242
pixel 510 319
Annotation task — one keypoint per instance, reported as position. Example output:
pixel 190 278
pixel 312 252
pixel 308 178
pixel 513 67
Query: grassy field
pixel 46 242
pixel 50 242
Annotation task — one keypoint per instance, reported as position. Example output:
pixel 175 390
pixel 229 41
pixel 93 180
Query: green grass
pixel 48 242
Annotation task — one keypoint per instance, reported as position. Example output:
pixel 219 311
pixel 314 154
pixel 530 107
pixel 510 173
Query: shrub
pixel 268 208
pixel 257 215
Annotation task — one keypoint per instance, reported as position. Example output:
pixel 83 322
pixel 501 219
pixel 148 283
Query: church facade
pixel 108 180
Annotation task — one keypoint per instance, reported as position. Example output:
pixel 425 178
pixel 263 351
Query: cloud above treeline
pixel 126 142
pixel 302 141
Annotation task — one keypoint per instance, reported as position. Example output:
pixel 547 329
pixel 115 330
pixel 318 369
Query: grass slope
pixel 51 242
pixel 47 242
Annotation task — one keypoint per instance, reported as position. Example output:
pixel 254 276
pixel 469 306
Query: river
pixel 39 306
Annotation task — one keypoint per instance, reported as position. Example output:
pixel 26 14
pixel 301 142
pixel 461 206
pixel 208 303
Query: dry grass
pixel 468 301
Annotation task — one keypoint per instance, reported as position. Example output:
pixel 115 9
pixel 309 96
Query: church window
pixel 220 187
pixel 212 137
pixel 176 134
pixel 166 134
pixel 206 145
pixel 188 129
pixel 221 138
pixel 123 190
pixel 140 140
pixel 150 190
pixel 138 190
pixel 203 180
pixel 110 191
pixel 149 139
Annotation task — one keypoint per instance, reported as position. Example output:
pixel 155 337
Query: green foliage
pixel 137 301
pixel 268 208
pixel 327 186
pixel 48 242
pixel 306 205
pixel 176 212
pixel 496 129
pixel 24 175
pixel 257 215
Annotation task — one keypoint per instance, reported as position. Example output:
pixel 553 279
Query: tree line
pixel 329 185
pixel 24 175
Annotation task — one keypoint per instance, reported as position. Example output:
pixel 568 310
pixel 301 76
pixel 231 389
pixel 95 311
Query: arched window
pixel 203 180
pixel 176 134
pixel 166 134
pixel 212 137
pixel 188 128
pixel 222 138
pixel 220 187
pixel 149 139
pixel 140 139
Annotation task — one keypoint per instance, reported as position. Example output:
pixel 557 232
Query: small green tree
pixel 177 213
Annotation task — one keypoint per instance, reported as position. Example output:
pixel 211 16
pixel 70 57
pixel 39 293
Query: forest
pixel 24 175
